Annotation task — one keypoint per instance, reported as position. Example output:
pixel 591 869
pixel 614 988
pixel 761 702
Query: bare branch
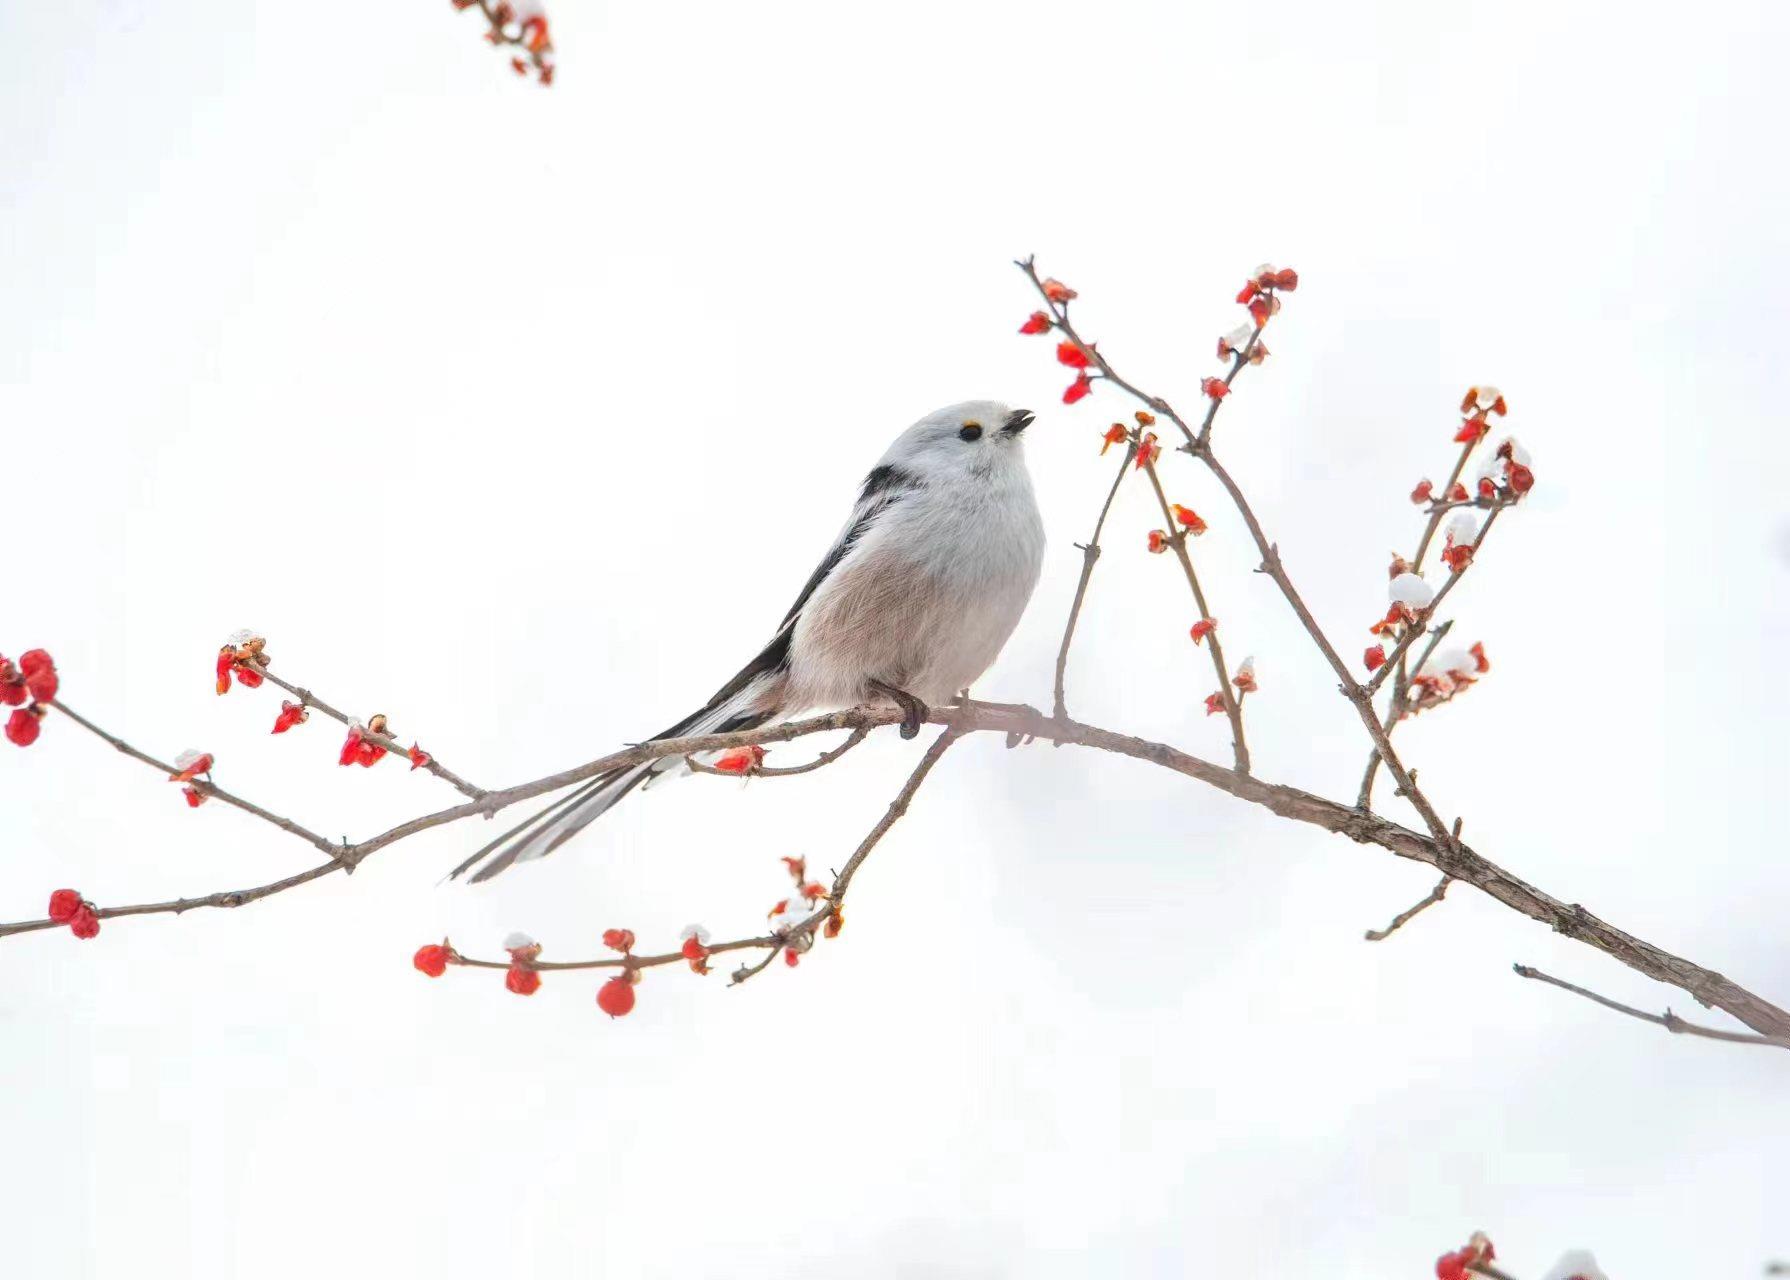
pixel 203 785
pixel 1090 553
pixel 1404 917
pixel 1669 1020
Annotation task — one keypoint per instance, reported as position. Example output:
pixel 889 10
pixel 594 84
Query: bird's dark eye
pixel 971 431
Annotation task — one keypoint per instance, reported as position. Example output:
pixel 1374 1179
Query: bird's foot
pixel 914 712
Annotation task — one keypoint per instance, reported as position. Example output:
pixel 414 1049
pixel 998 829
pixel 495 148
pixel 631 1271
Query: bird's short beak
pixel 1018 421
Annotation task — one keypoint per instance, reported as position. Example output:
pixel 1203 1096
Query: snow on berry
pixel 519 941
pixel 1575 1264
pixel 1484 400
pixel 1235 341
pixel 616 997
pixel 1410 590
pixel 189 764
pixel 694 931
pixel 1245 677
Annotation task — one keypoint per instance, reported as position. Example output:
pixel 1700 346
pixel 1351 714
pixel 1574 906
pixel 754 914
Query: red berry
pixel 524 982
pixel 616 997
pixel 1077 389
pixel 34 660
pixel 432 960
pixel 1423 491
pixel 84 924
pixel 1217 388
pixel 291 713
pixel 42 683
pixel 1376 657
pixel 1037 322
pixel 1072 354
pixel 693 948
pixel 63 905
pixel 621 940
pixel 1521 478
pixel 22 727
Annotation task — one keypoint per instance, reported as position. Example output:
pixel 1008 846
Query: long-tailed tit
pixel 912 603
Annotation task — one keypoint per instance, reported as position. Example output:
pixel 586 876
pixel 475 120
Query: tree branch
pixel 1233 699
pixel 1669 1020
pixel 1090 553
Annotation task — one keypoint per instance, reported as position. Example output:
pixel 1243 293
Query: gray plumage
pixel 914 600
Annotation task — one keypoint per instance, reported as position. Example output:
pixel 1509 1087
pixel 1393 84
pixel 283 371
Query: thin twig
pixel 432 765
pixel 1669 1020
pixel 1090 553
pixel 1233 700
pixel 203 785
pixel 1395 712
pixel 787 771
pixel 1402 918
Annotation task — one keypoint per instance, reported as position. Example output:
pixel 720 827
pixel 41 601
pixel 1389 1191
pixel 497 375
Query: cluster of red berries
pixel 530 34
pixel 31 680
pixel 68 907
pixel 1084 360
pixel 241 659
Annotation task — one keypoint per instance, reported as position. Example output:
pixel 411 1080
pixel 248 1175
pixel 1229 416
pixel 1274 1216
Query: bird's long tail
pixel 541 834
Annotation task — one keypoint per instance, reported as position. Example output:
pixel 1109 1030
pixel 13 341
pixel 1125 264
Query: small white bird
pixel 912 603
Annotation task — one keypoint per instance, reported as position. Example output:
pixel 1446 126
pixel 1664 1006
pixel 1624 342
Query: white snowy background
pixel 520 415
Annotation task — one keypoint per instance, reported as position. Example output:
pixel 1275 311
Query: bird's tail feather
pixel 541 834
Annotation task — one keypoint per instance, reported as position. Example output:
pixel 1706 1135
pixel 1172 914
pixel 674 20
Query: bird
pixel 910 605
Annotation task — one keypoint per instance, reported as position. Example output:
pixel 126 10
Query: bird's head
pixel 975 438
